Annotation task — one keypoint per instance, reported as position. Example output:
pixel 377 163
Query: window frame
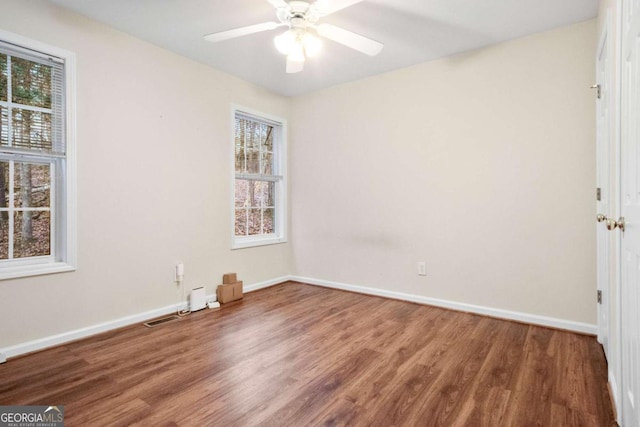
pixel 63 256
pixel 280 184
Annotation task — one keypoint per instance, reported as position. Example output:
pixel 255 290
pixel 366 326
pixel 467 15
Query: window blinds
pixel 32 102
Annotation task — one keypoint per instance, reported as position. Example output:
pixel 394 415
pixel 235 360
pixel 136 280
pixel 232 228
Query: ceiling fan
pixel 301 40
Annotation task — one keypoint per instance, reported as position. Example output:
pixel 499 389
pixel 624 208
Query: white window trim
pixel 240 242
pixel 70 255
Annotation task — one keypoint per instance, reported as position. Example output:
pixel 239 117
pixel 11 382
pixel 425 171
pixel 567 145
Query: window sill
pixel 250 242
pixel 34 270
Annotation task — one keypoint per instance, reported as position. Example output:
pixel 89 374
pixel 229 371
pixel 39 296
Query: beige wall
pixel 482 165
pixel 154 186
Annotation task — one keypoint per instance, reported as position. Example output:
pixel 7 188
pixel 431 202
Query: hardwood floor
pixel 300 355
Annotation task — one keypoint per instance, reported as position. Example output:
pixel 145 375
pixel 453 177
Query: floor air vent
pixel 152 323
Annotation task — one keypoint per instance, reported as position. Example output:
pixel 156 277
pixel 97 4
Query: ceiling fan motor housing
pixel 298 14
pixel 299 6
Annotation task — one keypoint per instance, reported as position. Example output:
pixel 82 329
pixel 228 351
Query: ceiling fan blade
pixel 350 39
pixel 278 3
pixel 294 66
pixel 243 31
pixel 326 7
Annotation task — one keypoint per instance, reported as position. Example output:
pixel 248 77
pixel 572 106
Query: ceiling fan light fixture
pixel 297 53
pixel 298 44
pixel 312 44
pixel 285 42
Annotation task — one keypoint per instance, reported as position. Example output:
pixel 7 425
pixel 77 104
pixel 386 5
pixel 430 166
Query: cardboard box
pixel 229 278
pixel 229 292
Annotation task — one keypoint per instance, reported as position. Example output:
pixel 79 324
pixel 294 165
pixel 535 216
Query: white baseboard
pixel 534 319
pixel 265 284
pixel 42 343
pixel 53 340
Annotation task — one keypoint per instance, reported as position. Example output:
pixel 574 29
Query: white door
pixel 630 204
pixel 603 142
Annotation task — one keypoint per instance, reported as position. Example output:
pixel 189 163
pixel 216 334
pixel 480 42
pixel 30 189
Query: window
pixel 259 184
pixel 37 214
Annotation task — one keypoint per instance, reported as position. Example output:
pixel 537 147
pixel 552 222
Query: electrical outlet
pixel 422 268
pixel 179 272
pixel 3 358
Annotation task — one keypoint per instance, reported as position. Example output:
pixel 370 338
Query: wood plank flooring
pixel 300 355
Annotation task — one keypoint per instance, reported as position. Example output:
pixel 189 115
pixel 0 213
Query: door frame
pixel 605 42
pixel 615 371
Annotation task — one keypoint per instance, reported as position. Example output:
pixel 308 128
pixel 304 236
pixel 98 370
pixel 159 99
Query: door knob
pixel 611 224
pixel 621 223
pixel 601 217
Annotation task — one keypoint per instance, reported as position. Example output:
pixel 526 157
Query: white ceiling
pixel 413 31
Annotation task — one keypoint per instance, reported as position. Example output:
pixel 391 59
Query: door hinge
pixel 599 297
pixel 598 194
pixel 598 90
